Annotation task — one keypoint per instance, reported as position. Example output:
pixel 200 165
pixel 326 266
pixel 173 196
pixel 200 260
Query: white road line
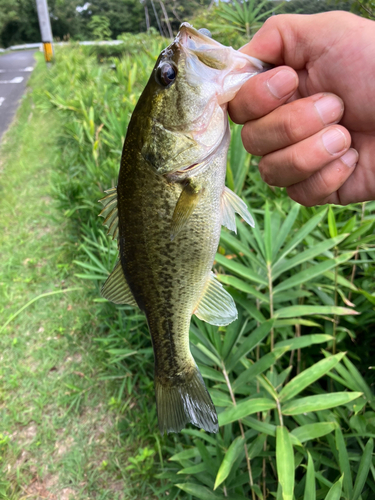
pixel 29 68
pixel 2 99
pixel 17 79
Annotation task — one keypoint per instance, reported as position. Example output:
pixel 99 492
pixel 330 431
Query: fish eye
pixel 205 32
pixel 166 74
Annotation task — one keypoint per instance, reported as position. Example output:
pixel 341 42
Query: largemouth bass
pixel 168 208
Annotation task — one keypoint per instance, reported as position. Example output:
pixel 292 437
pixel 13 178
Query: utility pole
pixel 45 29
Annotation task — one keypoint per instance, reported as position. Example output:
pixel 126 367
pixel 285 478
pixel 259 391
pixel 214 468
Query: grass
pixel 59 422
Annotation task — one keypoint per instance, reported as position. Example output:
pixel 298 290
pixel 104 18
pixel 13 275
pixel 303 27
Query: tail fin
pixel 183 400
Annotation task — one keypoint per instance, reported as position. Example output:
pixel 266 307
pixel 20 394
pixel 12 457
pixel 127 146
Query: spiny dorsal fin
pixel 216 306
pixel 109 212
pixel 188 200
pixel 230 204
pixel 116 288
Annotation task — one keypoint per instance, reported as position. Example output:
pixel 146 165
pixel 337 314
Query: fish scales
pixel 171 204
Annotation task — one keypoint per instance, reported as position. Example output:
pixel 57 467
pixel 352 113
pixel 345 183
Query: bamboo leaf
pixel 262 427
pixel 332 223
pixel 199 491
pixel 363 469
pixel 285 462
pixel 312 272
pixel 249 343
pixel 309 254
pixel 301 234
pixel 335 492
pixel 259 367
pixel 239 269
pixel 344 463
pixel 237 246
pixel 309 376
pixel 244 409
pixel 242 286
pixel 230 457
pixel 310 487
pixel 313 431
pixel 286 227
pixel 193 469
pixel 295 311
pixel 318 403
pixel 304 341
pixel 268 234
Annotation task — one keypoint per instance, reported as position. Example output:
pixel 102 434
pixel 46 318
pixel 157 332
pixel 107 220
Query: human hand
pixel 314 124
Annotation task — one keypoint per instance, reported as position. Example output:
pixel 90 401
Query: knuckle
pixel 299 161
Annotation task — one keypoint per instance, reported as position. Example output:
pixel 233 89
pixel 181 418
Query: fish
pixel 167 210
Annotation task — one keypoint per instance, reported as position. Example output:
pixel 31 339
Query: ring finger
pixel 296 163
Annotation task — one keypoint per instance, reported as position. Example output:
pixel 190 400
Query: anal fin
pixel 216 306
pixel 188 200
pixel 116 288
pixel 231 204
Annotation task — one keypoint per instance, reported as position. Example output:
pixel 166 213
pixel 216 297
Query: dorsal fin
pixel 216 306
pixel 110 212
pixel 116 288
pixel 188 200
pixel 231 204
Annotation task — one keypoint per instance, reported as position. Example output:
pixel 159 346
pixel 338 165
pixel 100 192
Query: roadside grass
pixel 60 425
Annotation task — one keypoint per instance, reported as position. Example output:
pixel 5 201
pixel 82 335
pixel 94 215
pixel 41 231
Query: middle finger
pixel 291 123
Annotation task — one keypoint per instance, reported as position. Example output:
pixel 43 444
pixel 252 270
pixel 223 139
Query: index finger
pixel 263 93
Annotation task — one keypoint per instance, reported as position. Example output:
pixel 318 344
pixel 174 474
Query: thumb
pixel 294 39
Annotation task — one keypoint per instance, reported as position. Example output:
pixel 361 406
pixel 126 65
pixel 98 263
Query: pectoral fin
pixel 116 288
pixel 109 212
pixel 231 204
pixel 188 200
pixel 216 306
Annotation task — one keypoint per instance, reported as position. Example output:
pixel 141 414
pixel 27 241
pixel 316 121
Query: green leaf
pixel 286 227
pixel 249 343
pixel 285 462
pixel 363 469
pixel 237 246
pixel 199 491
pixel 262 427
pixel 344 463
pixel 310 487
pixel 313 431
pixel 240 269
pixel 309 254
pixel 304 341
pixel 359 380
pixel 335 492
pixel 309 376
pixel 318 403
pixel 312 272
pixel 332 222
pixel 244 409
pixel 193 469
pixel 268 234
pixel 301 234
pixel 242 286
pixel 295 311
pixel 229 458
pixel 259 367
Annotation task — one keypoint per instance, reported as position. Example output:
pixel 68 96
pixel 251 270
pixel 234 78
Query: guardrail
pixel 39 46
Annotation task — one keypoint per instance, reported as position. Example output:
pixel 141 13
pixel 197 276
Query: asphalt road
pixel 15 69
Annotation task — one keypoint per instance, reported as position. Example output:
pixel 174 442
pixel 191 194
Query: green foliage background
pixel 293 377
pixel 70 19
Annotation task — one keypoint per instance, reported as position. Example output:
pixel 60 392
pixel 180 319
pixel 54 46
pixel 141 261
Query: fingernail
pixel 329 108
pixel 350 158
pixel 334 140
pixel 283 83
